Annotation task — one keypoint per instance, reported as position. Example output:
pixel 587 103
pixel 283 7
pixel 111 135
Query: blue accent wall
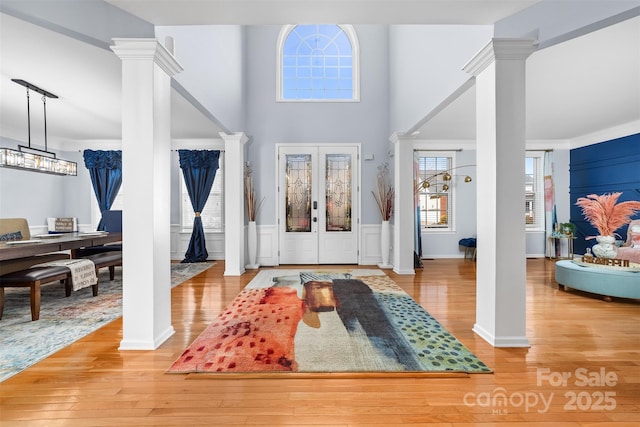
pixel 607 167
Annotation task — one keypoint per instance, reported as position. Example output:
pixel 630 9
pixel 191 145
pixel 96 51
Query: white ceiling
pixel 577 87
pixel 87 80
pixel 258 12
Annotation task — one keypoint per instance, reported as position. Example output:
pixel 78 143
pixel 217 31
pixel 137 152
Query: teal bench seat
pixel 602 281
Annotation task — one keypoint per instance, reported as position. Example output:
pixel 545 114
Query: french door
pixel 318 207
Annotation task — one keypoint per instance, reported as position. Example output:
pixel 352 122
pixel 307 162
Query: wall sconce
pixel 34 159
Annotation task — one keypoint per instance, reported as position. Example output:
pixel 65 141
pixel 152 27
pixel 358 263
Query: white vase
pixel 385 243
pixel 252 245
pixel 606 247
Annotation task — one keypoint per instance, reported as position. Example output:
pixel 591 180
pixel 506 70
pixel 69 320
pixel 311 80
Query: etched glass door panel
pixel 297 212
pixel 298 192
pixel 337 235
pixel 338 192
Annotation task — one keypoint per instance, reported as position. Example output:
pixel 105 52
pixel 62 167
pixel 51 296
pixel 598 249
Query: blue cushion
pixel 469 242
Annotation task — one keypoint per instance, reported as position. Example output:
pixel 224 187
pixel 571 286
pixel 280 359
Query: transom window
pixel 318 63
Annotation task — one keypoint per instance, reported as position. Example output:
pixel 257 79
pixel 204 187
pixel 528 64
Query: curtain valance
pixel 199 159
pixel 103 159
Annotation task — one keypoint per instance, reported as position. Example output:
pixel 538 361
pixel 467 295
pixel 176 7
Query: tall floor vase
pixel 252 245
pixel 385 244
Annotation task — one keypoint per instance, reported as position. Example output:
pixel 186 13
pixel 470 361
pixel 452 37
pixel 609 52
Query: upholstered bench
pixel 33 278
pixel 106 259
pixel 469 244
pixel 606 281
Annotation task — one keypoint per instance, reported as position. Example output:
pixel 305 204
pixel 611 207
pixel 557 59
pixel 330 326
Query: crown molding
pixel 510 49
pixel 146 49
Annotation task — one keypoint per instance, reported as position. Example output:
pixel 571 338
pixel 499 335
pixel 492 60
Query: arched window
pixel 318 63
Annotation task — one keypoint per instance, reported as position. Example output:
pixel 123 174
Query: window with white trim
pixel 318 63
pixel 534 190
pixel 434 191
pixel 212 214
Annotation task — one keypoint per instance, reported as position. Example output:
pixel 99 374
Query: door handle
pixel 315 219
pixel 315 205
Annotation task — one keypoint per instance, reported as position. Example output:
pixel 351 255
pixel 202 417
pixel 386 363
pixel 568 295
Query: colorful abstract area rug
pixel 356 321
pixel 63 320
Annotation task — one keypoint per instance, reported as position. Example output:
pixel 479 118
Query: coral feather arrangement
pixel 605 213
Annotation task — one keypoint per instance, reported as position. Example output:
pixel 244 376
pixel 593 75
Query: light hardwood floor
pixel 572 334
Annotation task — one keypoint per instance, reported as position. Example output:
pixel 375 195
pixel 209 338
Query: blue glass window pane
pixel 331 84
pixel 331 61
pixel 331 49
pixel 304 61
pixel 304 83
pixel 288 72
pixel 304 49
pixel 304 72
pixel 343 43
pixel 329 31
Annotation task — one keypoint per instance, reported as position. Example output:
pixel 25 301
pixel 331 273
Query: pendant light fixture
pixel 35 159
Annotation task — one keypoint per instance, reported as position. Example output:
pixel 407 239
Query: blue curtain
pixel 105 169
pixel 199 169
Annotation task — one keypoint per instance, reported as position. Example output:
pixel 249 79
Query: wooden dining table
pixel 56 243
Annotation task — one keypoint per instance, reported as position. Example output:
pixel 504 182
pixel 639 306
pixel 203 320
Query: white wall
pixel 212 58
pixel 270 122
pixel 426 66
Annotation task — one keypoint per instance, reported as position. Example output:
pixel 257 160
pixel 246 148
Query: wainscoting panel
pixel 267 245
pixel 370 253
pixel 180 243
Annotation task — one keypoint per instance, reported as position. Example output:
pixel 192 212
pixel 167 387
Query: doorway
pixel 318 204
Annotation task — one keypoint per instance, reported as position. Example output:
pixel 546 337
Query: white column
pixel 234 203
pixel 403 221
pixel 147 68
pixel 499 69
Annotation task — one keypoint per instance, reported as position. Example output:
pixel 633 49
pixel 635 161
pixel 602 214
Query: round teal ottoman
pixel 608 282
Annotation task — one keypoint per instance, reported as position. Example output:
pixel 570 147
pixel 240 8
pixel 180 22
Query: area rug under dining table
pixel 63 320
pixel 325 322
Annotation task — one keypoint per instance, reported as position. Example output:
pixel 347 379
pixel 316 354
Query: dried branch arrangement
pixel 253 206
pixel 605 213
pixel 385 193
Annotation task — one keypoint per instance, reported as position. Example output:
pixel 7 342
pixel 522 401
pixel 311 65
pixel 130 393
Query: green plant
pixel 568 228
